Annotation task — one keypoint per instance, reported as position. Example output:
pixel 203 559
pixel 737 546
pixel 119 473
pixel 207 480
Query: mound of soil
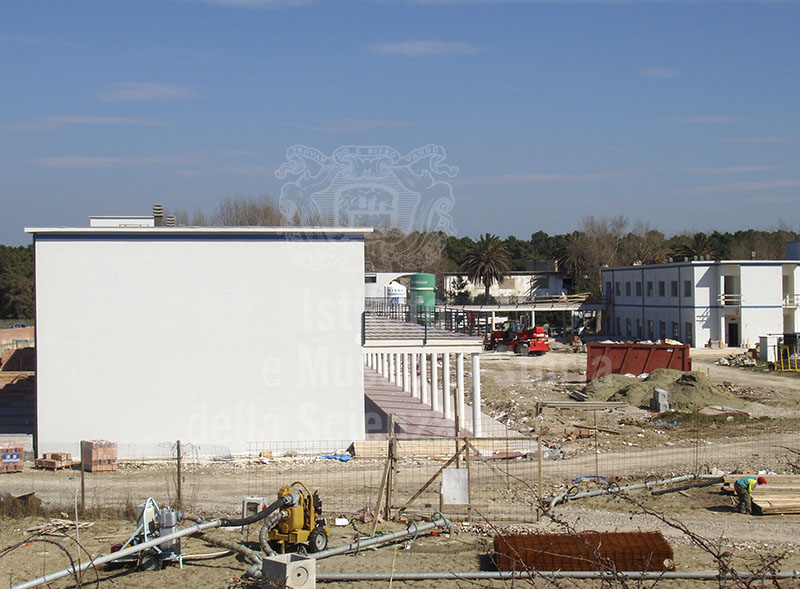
pixel 687 390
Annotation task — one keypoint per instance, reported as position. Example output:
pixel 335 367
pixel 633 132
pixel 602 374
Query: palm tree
pixel 487 262
pixel 699 245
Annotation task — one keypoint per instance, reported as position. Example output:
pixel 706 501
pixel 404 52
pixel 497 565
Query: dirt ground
pixel 511 388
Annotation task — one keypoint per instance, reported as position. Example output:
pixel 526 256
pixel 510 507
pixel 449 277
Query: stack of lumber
pixel 780 495
pixel 54 460
pixel 11 454
pixel 98 455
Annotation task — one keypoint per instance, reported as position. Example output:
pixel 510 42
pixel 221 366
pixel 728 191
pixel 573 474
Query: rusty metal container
pixel 603 359
pixel 585 551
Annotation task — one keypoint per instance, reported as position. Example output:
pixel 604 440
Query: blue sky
pixel 683 114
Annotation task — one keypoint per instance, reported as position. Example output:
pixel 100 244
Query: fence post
pixel 541 486
pixel 83 482
pixel 180 486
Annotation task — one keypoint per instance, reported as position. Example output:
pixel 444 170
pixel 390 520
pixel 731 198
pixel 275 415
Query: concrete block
pixel 292 571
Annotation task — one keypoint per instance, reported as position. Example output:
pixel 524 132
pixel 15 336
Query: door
pixel 733 335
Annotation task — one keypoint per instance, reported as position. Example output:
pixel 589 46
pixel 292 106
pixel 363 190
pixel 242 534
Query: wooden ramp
pixel 412 417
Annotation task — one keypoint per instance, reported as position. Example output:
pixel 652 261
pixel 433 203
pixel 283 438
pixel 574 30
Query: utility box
pixel 767 346
pixel 292 571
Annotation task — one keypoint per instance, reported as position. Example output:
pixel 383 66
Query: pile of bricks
pixel 98 455
pixel 11 456
pixel 629 551
pixel 54 460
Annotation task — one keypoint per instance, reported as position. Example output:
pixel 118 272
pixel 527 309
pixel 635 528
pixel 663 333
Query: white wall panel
pixel 206 339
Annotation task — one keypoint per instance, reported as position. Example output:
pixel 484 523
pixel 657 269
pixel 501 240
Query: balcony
pixel 790 301
pixel 730 300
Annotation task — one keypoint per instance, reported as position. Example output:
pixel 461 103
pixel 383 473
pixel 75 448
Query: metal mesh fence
pixel 503 472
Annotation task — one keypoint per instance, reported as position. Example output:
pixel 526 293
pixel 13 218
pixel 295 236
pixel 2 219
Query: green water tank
pixel 422 297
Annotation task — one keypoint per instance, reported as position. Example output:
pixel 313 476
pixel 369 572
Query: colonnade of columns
pixel 418 373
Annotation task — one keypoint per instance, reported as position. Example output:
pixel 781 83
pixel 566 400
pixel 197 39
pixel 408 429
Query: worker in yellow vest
pixel 744 491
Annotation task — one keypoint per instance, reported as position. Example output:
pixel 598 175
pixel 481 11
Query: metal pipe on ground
pixel 119 554
pixel 412 529
pixel 511 575
pixel 560 498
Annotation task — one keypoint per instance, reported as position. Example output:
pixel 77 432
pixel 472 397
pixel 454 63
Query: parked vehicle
pixel 19 325
pixel 521 340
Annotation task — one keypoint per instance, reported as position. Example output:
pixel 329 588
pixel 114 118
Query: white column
pixel 448 405
pixel 462 419
pixel 423 377
pixel 398 379
pixel 477 426
pixel 390 374
pixel 404 378
pixel 414 387
pixel 435 398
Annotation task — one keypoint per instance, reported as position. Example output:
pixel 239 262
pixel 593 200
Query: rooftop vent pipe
pixel 158 215
pixel 172 221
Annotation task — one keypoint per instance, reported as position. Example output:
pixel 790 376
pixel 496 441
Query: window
pixel 627 289
pixel 370 279
pixel 673 288
pixel 688 333
pixel 651 335
pixel 618 290
pixel 608 290
pixel 638 289
pixel 649 288
pixel 676 330
pixel 662 290
pixel 628 327
pixel 619 328
pixel 662 329
pixel 687 288
pixel 639 328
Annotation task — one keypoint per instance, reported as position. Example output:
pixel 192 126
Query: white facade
pixel 698 302
pixel 519 285
pixel 210 336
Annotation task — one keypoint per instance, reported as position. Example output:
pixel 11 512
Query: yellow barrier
pixel 787 359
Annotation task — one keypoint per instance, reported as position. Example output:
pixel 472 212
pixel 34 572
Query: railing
pixel 730 299
pixel 790 301
pixel 441 316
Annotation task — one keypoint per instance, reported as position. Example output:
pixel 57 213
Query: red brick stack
pixel 11 457
pixel 98 455
pixel 54 460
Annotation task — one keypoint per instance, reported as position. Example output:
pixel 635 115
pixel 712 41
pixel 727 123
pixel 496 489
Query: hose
pixel 120 554
pixel 263 535
pixel 287 500
pixel 437 520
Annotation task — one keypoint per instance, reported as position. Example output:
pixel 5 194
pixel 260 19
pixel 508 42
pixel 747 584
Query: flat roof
pixel 703 263
pixel 181 230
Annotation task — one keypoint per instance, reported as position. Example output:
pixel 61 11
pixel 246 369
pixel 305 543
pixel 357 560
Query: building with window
pixel 702 301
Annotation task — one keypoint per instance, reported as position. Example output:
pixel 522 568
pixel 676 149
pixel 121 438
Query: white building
pixel 515 286
pixel 219 336
pixel 702 301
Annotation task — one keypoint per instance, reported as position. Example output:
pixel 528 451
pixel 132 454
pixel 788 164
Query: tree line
pixel 580 254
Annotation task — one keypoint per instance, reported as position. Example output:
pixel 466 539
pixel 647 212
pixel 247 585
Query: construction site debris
pixel 737 360
pixel 585 551
pixel 687 391
pixel 57 527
